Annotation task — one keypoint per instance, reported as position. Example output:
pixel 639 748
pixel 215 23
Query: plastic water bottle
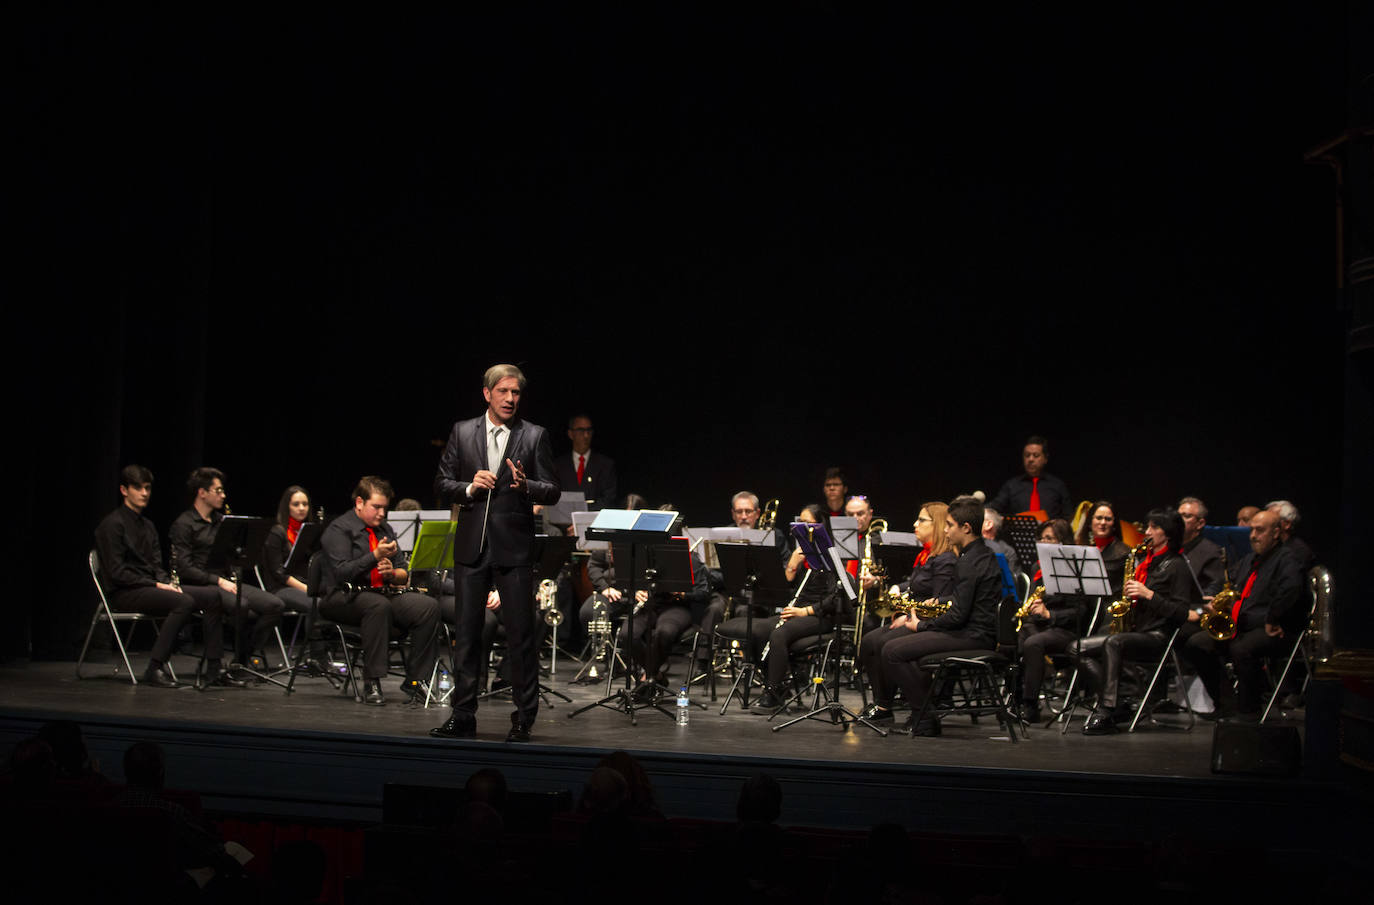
pixel 682 706
pixel 445 683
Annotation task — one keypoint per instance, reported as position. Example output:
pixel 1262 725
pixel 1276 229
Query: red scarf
pixel 1142 571
pixel 1103 542
pixel 293 528
pixel 921 557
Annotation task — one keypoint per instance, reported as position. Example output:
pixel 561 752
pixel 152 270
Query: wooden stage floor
pixel 318 754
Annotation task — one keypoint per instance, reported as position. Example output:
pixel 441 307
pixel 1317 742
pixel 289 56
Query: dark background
pixel 751 245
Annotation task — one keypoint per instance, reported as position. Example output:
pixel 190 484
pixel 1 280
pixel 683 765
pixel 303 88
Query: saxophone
pixel 1219 624
pixel 921 609
pixel 1032 598
pixel 1120 610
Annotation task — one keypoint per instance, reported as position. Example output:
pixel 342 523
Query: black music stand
pixel 1078 572
pixel 751 571
pixel 825 560
pixel 1023 533
pixel 307 542
pixel 628 530
pixel 239 540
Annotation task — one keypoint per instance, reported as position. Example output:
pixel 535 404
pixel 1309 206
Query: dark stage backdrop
pixel 750 245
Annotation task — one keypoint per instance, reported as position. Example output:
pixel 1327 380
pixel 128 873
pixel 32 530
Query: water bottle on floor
pixel 682 705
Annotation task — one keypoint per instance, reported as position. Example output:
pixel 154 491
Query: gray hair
pixel 1201 506
pixel 1285 510
pixel 497 373
pixel 992 515
pixel 744 493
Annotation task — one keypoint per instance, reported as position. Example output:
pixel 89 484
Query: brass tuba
pixel 1219 624
pixel 1120 610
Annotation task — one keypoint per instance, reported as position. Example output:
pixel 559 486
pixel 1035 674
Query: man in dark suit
pixel 580 471
pixel 495 468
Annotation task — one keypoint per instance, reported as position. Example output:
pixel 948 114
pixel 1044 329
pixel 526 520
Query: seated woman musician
pixel 1103 530
pixel 283 574
pixel 1161 594
pixel 932 575
pixel 1049 623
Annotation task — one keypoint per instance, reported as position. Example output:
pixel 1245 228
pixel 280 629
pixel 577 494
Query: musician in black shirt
pixel 1269 614
pixel 1163 595
pixel 1035 489
pixel 132 574
pixel 285 573
pixel 1050 625
pixel 192 536
pixel 970 622
pixel 1204 557
pixel 359 547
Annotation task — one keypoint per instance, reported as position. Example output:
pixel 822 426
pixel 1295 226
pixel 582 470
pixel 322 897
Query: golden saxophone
pixel 1120 610
pixel 906 605
pixel 1219 624
pixel 1034 597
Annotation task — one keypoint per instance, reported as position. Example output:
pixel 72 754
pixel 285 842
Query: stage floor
pixel 317 753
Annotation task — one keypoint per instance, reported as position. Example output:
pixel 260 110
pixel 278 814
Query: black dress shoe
pixel 1099 723
pixel 160 678
pixel 519 732
pixel 413 691
pixel 1030 712
pixel 768 701
pixel 926 729
pixel 372 693
pixel 458 725
pixel 225 679
pixel 875 714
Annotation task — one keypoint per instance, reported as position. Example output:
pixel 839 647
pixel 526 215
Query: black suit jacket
pixel 510 523
pixel 598 479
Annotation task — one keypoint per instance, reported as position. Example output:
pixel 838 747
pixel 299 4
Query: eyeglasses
pixel 744 511
pixel 923 519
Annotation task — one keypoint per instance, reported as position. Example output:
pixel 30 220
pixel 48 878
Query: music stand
pixel 239 540
pixel 751 571
pixel 307 542
pixel 628 529
pixel 1023 533
pixel 827 560
pixel 1073 571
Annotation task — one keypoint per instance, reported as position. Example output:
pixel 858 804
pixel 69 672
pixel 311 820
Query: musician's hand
pixel 162 585
pixel 493 599
pixel 384 566
pixel 913 623
pixel 611 594
pixel 398 575
pixel 1273 631
pixel 537 508
pixel 484 479
pixel 641 596
pixel 899 621
pixel 1136 590
pixel 517 475
pixel 569 531
pixel 1194 616
pixel 1208 605
pixel 1039 609
pixel 385 549
pixel 869 581
pixel 792 612
pixel 227 585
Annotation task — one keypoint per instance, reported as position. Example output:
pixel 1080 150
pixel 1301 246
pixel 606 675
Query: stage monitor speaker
pixel 1255 750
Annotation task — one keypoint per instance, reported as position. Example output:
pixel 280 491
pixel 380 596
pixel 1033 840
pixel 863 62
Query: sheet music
pixel 1061 564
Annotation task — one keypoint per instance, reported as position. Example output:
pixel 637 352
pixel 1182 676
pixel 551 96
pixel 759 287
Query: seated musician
pixel 133 577
pixel 1050 625
pixel 1035 489
pixel 1162 594
pixel 664 617
pixel 744 513
pixel 1288 525
pixel 992 527
pixel 192 536
pixel 834 488
pixel 1103 531
pixel 1270 613
pixel 606 594
pixel 362 586
pixel 289 584
pixel 932 575
pixel 1204 557
pixel 970 622
pixel 860 509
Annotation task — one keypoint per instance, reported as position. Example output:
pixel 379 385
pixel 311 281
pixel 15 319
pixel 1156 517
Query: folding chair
pixel 103 613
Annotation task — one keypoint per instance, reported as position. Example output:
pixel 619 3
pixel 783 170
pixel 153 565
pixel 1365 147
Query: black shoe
pixel 875 714
pixel 926 729
pixel 1100 723
pixel 519 729
pixel 768 701
pixel 372 693
pixel 458 725
pixel 159 678
pixel 1030 712
pixel 413 691
pixel 223 678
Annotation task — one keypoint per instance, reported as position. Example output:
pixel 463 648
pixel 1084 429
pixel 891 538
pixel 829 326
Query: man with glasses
pixel 581 471
pixel 192 535
pixel 1204 557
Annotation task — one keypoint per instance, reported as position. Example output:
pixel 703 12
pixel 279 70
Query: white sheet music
pixel 1061 565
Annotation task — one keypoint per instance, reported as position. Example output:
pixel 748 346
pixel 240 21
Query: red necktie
pixel 375 576
pixel 581 467
pixel 1035 495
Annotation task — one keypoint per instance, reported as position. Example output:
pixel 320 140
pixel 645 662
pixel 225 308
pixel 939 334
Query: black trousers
pixel 262 613
pixel 516 586
pixel 900 656
pixel 1102 656
pixel 376 615
pixel 1036 642
pixel 175 608
pixel 1247 651
pixel 871 661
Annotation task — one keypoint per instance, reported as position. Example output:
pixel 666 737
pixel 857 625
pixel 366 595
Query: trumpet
pixel 548 602
pixel 1034 597
pixel 769 516
pixel 1219 624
